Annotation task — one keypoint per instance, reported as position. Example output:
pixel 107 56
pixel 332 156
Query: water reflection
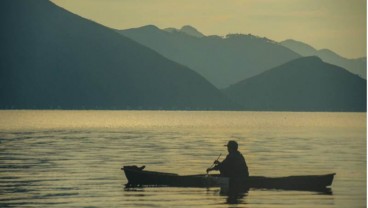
pixel 234 196
pixel 214 194
pixel 229 196
pixel 79 167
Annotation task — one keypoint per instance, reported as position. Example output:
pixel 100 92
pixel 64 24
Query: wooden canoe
pixel 139 177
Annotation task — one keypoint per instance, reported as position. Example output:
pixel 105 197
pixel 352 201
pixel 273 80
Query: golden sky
pixel 339 25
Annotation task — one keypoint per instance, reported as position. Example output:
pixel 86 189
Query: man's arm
pixel 219 165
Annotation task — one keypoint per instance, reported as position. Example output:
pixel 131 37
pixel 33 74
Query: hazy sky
pixel 339 25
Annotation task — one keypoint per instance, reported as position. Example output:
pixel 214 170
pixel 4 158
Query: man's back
pixel 234 165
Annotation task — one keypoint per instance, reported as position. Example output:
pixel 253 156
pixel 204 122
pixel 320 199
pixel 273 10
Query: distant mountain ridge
pixel 304 84
pixel 221 60
pixel 187 29
pixel 51 58
pixel 356 66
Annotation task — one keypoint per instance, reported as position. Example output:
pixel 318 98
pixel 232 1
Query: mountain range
pixel 51 58
pixel 221 60
pixel 233 57
pixel 54 59
pixel 356 66
pixel 304 84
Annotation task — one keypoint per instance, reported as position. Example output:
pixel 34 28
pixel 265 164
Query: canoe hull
pixel 138 177
pixel 308 182
pixel 151 178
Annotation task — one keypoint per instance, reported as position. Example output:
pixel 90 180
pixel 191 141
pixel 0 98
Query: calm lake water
pixel 73 158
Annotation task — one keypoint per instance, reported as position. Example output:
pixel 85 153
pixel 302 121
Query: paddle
pixel 213 164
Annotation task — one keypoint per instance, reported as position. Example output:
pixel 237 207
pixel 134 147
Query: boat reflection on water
pixel 238 195
pixel 234 196
pixel 231 195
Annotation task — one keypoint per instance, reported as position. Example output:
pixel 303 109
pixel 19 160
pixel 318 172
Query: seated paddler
pixel 234 165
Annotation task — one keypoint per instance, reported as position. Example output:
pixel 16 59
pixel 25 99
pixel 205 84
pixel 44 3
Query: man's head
pixel 232 146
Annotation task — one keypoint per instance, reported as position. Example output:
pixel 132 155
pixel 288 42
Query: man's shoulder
pixel 235 154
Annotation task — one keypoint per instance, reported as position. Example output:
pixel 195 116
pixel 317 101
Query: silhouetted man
pixel 234 165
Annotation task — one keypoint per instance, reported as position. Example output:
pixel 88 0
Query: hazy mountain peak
pixel 292 41
pixel 328 52
pixel 299 47
pixel 249 37
pixel 191 31
pixel 355 66
pixel 149 28
pixel 186 29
